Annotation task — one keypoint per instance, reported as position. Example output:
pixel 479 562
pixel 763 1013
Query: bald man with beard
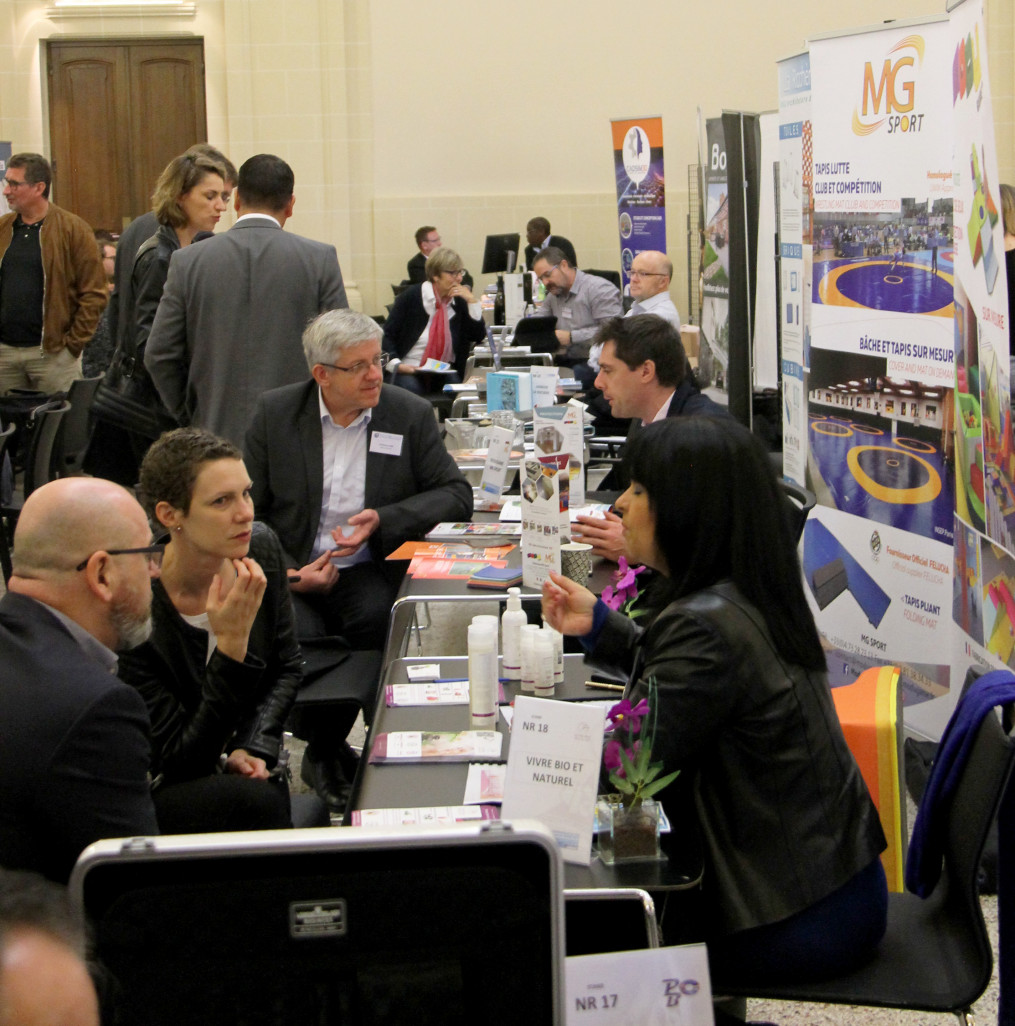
pixel 75 757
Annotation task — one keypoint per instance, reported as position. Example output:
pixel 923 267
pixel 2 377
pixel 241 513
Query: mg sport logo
pixel 888 91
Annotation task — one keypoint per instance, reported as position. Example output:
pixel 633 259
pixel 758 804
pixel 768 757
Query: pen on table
pixel 605 687
pixel 462 680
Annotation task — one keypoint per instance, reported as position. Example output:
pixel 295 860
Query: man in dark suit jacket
pixel 345 469
pixel 229 324
pixel 427 239
pixel 537 231
pixel 75 755
pixel 644 375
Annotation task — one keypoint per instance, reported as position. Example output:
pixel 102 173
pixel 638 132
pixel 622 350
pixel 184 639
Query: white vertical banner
pixel 877 551
pixel 983 606
pixel 795 177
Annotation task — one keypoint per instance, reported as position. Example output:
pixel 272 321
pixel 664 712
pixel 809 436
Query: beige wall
pixel 477 119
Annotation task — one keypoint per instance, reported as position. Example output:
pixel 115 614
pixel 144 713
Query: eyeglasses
pixel 646 274
pixel 11 184
pixel 460 273
pixel 153 552
pixel 546 275
pixel 361 366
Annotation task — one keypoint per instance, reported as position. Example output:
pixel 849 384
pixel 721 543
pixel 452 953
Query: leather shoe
pixel 325 776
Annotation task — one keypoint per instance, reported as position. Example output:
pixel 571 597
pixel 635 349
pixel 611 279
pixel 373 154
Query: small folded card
pixel 432 816
pixel 436 746
pixel 431 692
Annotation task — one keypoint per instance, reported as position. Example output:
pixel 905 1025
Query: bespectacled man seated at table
pixel 345 469
pixel 580 302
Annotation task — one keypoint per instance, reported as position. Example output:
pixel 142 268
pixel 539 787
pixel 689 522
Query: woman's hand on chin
pixel 232 607
pixel 567 607
pixel 243 764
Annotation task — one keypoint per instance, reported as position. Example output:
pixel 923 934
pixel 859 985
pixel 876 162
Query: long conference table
pixel 414 785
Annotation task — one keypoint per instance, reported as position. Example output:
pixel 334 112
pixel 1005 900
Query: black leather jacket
pixel 784 815
pixel 200 708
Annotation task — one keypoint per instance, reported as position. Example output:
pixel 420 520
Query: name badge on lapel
pixel 386 443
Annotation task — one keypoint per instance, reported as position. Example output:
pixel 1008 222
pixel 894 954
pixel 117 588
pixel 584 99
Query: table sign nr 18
pixel 553 770
pixel 664 986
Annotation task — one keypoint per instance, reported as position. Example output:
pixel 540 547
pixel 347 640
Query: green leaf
pixel 622 785
pixel 651 789
pixel 652 772
pixel 641 763
pixel 627 765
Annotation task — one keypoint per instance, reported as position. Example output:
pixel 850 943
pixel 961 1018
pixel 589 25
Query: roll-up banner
pixel 713 359
pixel 796 198
pixel 641 188
pixel 880 432
pixel 983 594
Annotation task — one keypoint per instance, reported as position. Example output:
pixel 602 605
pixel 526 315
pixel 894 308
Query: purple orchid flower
pixel 623 715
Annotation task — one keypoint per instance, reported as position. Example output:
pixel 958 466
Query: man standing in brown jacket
pixel 52 284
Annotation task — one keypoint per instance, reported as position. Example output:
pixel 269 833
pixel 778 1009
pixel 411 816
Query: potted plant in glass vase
pixel 629 818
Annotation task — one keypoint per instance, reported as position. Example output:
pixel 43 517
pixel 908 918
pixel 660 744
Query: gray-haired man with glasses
pixel 75 755
pixel 345 469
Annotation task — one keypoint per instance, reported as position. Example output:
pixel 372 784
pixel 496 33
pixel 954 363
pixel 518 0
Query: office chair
pixel 935 955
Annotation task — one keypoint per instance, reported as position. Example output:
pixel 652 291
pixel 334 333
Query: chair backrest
pixel 46 421
pixel 605 919
pixel 6 470
pixel 802 500
pixel 870 712
pixel 611 276
pixel 76 429
pixel 974 807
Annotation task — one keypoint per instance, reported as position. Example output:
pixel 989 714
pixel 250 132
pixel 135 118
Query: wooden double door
pixel 119 111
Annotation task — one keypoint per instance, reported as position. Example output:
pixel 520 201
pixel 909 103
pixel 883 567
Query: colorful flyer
pixel 541 511
pixel 559 430
pixel 436 746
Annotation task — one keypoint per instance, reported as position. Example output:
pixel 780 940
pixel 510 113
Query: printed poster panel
pixel 880 386
pixel 795 200
pixel 984 585
pixel 641 188
pixel 713 358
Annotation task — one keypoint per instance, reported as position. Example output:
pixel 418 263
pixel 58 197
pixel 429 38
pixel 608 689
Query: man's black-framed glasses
pixel 153 552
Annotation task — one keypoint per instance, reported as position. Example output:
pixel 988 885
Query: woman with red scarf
pixel 440 320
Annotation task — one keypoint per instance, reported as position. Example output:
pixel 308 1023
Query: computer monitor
pixel 500 255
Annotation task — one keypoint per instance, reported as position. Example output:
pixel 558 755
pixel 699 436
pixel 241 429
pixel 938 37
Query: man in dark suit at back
pixel 427 239
pixel 537 232
pixel 345 469
pixel 645 376
pixel 234 308
pixel 75 755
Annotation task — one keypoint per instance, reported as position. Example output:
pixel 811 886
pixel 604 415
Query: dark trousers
pixel 222 801
pixel 356 609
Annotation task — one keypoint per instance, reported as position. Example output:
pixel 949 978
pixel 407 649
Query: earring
pixel 178 528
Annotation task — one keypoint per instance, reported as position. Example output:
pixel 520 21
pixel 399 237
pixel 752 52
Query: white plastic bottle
pixel 543 650
pixel 558 653
pixel 482 676
pixel 511 622
pixel 529 634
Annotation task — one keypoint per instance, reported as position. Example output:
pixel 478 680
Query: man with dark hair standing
pixel 52 283
pixel 537 233
pixel 644 375
pixel 44 980
pixel 234 308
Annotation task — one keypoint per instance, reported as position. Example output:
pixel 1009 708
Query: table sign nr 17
pixel 664 986
pixel 553 770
